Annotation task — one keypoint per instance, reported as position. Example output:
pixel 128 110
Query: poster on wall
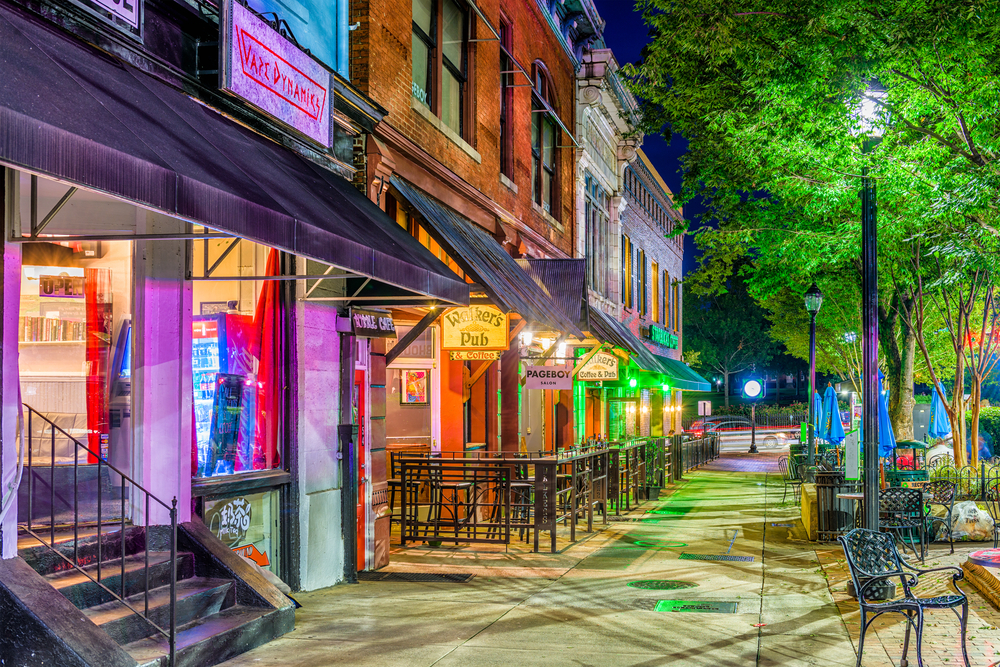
pixel 244 524
pixel 414 386
pixel 474 328
pixel 601 366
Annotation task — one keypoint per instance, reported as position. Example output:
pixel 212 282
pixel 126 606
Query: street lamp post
pixel 871 133
pixel 814 300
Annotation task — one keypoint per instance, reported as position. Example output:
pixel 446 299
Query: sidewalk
pixel 576 608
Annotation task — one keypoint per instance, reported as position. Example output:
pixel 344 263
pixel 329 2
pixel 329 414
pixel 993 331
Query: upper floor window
pixel 440 55
pixel 506 100
pixel 626 271
pixel 543 141
pixel 597 216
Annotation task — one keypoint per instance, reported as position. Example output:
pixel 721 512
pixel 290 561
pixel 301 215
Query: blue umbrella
pixel 940 425
pixel 818 421
pixel 833 428
pixel 886 439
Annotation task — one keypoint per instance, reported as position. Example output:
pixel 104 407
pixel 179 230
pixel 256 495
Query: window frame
pixel 542 100
pixel 437 63
pixel 506 98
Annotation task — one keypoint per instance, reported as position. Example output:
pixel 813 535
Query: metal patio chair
pixel 901 511
pixel 941 492
pixel 872 558
pixel 789 480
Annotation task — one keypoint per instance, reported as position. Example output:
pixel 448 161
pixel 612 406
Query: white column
pixel 161 377
pixel 11 286
pixel 321 551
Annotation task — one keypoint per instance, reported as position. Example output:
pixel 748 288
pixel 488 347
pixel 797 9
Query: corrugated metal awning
pixel 82 116
pixel 564 281
pixel 485 261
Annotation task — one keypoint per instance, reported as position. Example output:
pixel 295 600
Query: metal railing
pixel 37 529
pixel 693 453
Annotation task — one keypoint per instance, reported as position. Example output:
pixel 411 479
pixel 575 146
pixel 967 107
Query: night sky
pixel 625 34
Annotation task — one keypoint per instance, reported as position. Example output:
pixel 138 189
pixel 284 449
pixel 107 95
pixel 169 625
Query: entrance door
pixel 533 419
pixel 362 448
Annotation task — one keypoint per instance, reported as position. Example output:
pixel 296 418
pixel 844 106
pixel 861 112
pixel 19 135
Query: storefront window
pixel 73 351
pixel 237 351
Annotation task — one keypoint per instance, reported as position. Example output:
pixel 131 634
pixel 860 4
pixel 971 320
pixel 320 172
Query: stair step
pixel 208 641
pixel 44 561
pixel 197 597
pixel 84 593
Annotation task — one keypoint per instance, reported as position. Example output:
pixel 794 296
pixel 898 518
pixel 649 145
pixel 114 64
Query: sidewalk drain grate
pixel 661 585
pixel 694 606
pixel 422 577
pixel 722 557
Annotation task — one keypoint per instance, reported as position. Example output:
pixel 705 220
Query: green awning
pixel 681 376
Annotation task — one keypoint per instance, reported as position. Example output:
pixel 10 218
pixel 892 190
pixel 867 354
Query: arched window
pixel 543 140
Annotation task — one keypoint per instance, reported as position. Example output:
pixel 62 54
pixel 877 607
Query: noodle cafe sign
pixel 273 74
pixel 474 328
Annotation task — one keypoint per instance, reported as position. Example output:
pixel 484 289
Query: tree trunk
pixel 725 374
pixel 958 413
pixel 976 393
pixel 908 352
pixel 890 353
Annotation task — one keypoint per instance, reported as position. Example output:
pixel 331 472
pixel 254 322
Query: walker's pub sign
pixel 474 328
pixel 601 366
pixel 273 74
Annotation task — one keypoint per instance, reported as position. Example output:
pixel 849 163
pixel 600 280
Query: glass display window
pixel 237 362
pixel 247 524
pixel 74 356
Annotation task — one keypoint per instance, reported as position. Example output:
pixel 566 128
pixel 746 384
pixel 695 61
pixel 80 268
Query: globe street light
pixel 871 118
pixel 814 300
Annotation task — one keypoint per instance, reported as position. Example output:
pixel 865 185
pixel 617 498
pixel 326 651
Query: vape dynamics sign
pixel 273 74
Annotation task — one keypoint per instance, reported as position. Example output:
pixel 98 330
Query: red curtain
pixel 100 325
pixel 268 347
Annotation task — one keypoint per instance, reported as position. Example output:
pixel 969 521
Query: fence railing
pixel 742 422
pixel 127 587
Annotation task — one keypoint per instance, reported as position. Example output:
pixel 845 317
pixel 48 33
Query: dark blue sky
pixel 625 34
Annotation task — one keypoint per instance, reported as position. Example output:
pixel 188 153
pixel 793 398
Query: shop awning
pixel 564 282
pixel 678 375
pixel 682 376
pixel 71 112
pixel 608 329
pixel 485 261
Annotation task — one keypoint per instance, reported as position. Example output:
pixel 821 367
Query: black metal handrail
pixel 169 633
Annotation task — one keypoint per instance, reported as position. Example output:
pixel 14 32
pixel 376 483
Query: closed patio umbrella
pixel 819 420
pixel 886 438
pixel 833 428
pixel 940 425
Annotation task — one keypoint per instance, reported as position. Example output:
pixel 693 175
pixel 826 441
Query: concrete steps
pixel 223 606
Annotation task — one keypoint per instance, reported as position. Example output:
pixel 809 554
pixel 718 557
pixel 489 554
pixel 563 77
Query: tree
pixel 727 331
pixel 765 93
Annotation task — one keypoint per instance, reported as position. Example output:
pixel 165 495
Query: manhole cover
pixel 425 577
pixel 661 585
pixel 696 606
pixel 722 557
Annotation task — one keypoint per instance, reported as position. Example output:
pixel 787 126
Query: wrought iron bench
pixel 872 559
